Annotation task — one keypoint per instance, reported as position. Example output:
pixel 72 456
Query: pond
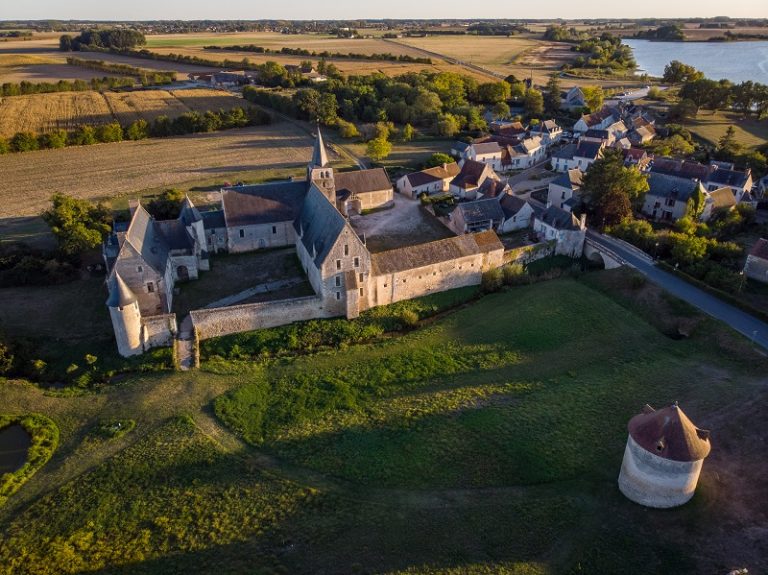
pixel 14 445
pixel 734 61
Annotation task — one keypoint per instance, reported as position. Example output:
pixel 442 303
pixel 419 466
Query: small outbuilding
pixel 663 457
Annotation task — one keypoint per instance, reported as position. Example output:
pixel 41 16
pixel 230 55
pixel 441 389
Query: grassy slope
pixel 488 442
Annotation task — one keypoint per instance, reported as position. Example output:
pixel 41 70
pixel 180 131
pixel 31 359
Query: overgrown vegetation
pixel 44 436
pixel 98 84
pixel 386 56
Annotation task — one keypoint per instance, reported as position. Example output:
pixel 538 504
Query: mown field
pixel 486 442
pixel 40 113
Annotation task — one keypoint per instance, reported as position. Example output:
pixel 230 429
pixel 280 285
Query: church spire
pixel 319 155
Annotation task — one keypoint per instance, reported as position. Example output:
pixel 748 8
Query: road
pixel 747 325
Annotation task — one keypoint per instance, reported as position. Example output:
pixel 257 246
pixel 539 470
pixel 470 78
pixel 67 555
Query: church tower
pixel 126 317
pixel 318 170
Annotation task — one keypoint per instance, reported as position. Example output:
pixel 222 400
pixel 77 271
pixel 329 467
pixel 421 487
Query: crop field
pixel 488 441
pixel 41 113
pixel 107 171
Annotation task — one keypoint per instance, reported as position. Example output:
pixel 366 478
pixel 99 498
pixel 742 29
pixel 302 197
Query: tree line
pixel 119 38
pixel 97 84
pixel 162 126
pixel 146 77
pixel 386 56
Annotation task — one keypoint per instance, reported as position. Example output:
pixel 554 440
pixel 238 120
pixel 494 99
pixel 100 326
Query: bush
pixel 24 142
pixel 515 274
pixel 347 129
pixel 109 132
pixel 83 136
pixel 53 140
pixel 409 318
pixel 137 130
pixel 492 281
pixel 4 146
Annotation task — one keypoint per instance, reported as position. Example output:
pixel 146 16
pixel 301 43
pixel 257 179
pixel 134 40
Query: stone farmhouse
pixel 669 197
pixel 565 190
pixel 756 266
pixel 432 181
pixel 146 257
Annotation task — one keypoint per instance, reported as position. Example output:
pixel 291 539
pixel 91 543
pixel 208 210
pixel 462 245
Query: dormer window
pixel 139 269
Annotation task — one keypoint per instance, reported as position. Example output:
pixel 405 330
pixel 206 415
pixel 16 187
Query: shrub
pixel 347 129
pixel 83 136
pixel 24 142
pixel 111 132
pixel 492 281
pixel 4 146
pixel 53 140
pixel 409 318
pixel 515 274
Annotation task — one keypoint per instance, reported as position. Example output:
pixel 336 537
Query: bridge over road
pixel 746 324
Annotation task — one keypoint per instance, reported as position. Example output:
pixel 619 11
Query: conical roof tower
pixel 319 154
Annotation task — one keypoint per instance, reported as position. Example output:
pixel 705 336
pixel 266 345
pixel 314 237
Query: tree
pixel 24 142
pixel 756 161
pixel 408 133
pixel 447 125
pixel 607 181
pixel 534 102
pixel 77 224
pixel 501 110
pixel 685 110
pixel 327 109
pixel 552 95
pixel 593 97
pixel 65 43
pixel 347 129
pixel 138 130
pixel 727 146
pixel 678 73
pixel 687 249
pixel 167 206
pixel 111 132
pixel 83 136
pixel 675 145
pixel 378 149
pixel 493 92
pixel 438 159
pixel 53 140
pixel 4 146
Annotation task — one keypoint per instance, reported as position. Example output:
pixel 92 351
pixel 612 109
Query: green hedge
pixel 45 440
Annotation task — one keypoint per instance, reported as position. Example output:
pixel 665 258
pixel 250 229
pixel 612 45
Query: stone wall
pixel 261 236
pixel 756 268
pixel 527 254
pixel 373 200
pixel 158 330
pixel 249 317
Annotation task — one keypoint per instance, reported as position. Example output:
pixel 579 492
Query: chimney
pixel 583 221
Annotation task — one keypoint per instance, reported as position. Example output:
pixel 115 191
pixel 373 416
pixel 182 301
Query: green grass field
pixel 711 127
pixel 488 441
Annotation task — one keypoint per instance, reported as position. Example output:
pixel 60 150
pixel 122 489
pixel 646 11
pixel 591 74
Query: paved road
pixel 747 325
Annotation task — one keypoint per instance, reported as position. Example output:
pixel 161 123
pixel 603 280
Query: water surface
pixel 734 61
pixel 14 444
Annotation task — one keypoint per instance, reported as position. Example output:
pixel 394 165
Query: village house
pixel 562 227
pixel 723 175
pixel 476 216
pixel 574 99
pixel 430 181
pixel 549 132
pixel 756 266
pixel 524 155
pixel 717 201
pixel 565 190
pixel 460 150
pixel 487 152
pixel 518 214
pixel 637 157
pixel 598 136
pixel 577 156
pixel 669 197
pixel 600 120
pixel 507 127
pixel 469 179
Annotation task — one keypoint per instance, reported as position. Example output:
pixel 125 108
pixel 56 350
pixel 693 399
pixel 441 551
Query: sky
pixel 353 9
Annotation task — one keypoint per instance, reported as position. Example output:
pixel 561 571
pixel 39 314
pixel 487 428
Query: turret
pixel 126 317
pixel 663 458
pixel 318 170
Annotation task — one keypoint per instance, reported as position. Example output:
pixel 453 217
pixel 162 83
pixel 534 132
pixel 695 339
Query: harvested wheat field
pixel 41 113
pixel 110 170
pixel 147 104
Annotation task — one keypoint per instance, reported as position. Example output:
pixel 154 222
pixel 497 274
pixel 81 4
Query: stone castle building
pixel 663 458
pixel 145 257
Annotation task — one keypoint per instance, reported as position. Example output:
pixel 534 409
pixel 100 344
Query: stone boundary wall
pixel 158 330
pixel 249 317
pixel 527 254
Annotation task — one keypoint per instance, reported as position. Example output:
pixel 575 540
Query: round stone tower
pixel 126 317
pixel 663 458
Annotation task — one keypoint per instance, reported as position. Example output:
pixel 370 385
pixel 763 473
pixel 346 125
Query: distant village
pixel 476 197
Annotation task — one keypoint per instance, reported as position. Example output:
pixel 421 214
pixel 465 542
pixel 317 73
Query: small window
pixel 338 281
pixel 338 295
pixel 357 262
pixel 274 229
pixel 242 233
pixel 139 269
pixel 361 291
pixel 150 287
pixel 361 277
pixel 385 285
pixel 346 249
pixel 434 273
pixel 404 280
pixel 338 264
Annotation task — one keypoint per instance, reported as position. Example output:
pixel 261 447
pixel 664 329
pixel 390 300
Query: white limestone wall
pixel 158 330
pixel 126 322
pixel 653 481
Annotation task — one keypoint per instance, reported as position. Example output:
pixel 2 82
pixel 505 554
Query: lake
pixel 14 444
pixel 734 61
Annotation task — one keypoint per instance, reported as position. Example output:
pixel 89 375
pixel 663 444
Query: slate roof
pixel 147 239
pixel 597 117
pixel 483 148
pixel 760 249
pixel 431 175
pixel 722 198
pixel 460 146
pixel 263 203
pixel 681 168
pixel 599 134
pixel 469 175
pixel 728 178
pixel 560 219
pixel 481 211
pixel 319 224
pixel 669 434
pixel 491 188
pixel 571 179
pixel 546 127
pixel 589 150
pixel 431 253
pixel 213 219
pixel 666 186
pixel 175 234
pixel 319 153
pixel 511 205
pixel 565 152
pixel 120 295
pixel 362 181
